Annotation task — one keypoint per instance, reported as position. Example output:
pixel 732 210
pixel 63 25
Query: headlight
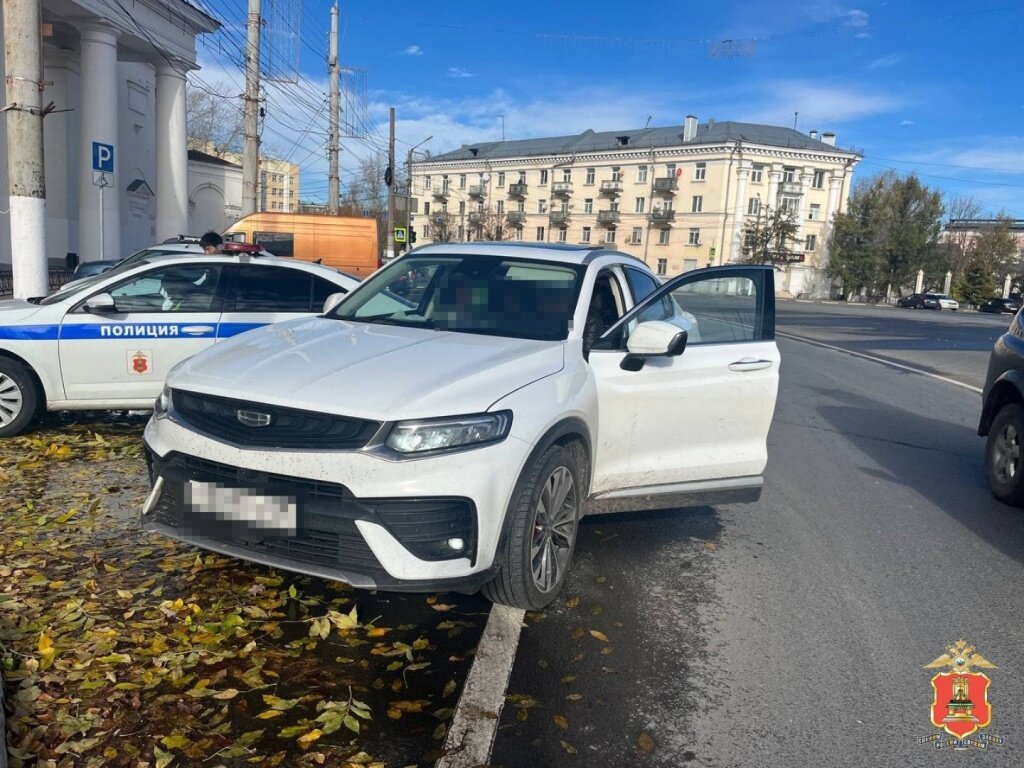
pixel 162 406
pixel 449 433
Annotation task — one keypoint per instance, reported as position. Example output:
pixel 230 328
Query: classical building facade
pixel 277 180
pixel 214 193
pixel 116 77
pixel 678 197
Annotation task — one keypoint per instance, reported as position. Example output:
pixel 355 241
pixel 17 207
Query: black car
pixel 1000 306
pixel 920 301
pixel 1002 416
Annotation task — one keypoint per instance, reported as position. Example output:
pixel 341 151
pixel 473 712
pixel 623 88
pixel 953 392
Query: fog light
pixel 457 544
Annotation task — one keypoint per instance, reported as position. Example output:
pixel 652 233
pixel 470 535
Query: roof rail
pixel 181 239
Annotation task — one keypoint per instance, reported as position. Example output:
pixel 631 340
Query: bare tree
pixel 771 237
pixel 957 242
pixel 488 224
pixel 442 226
pixel 214 123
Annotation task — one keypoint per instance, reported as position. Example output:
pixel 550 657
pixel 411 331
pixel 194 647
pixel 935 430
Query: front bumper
pixel 361 519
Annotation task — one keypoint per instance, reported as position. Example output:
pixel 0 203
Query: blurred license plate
pixel 242 505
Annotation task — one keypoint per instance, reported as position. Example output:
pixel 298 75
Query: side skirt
pixel 733 490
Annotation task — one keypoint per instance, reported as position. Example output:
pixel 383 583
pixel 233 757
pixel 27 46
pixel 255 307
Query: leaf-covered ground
pixel 121 648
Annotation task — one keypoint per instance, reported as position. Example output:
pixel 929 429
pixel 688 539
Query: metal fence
pixel 57 278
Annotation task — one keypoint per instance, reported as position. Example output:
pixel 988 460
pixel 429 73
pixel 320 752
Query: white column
pixel 774 179
pixel 835 183
pixel 801 212
pixel 171 152
pixel 100 88
pixel 739 211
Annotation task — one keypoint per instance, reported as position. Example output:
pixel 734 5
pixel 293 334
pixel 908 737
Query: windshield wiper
pixel 388 318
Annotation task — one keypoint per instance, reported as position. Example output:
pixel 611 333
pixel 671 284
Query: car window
pixel 278 243
pixel 322 289
pixel 272 289
pixel 178 288
pixel 470 293
pixel 641 284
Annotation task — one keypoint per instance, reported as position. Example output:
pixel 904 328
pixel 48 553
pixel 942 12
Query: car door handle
pixel 750 364
pixel 197 330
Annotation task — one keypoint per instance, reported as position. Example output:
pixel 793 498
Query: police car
pixel 108 341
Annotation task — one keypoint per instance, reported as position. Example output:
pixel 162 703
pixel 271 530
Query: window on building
pixel 637 236
pixel 426 231
pixel 788 175
pixel 565 206
pixel 663 236
pixel 585 237
pixel 462 181
pixel 662 267
pixel 544 178
pixel 814 212
pixel 588 205
pixel 444 184
pixel 641 174
pixel 590 176
pixel 609 236
pixel 519 233
pixel 567 175
pixel 689 265
pixel 540 234
pixel 542 206
pixel 694 236
pixel 426 182
pixel 444 207
pixel 698 204
pixel 754 206
pixel 522 177
pixel 462 206
pixel 700 171
pixel 819 180
pixel 756 174
pixel 501 207
pixel 563 235
pixel 638 204
pixel 613 205
pixel 616 174
pixel 790 204
pixel 666 205
pixel 670 170
pixel 521 206
pixel 501 178
pixel 462 232
pixel 810 242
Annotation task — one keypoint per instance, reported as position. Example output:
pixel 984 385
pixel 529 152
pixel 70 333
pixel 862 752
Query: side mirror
pixel 332 301
pixel 655 338
pixel 100 304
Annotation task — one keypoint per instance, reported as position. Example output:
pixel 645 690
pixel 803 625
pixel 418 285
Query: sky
pixel 931 88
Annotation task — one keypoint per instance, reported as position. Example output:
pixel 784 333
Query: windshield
pixel 491 295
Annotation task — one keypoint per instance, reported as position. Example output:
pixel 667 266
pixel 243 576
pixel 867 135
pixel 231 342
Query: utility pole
pixel 27 180
pixel 390 178
pixel 335 96
pixel 251 150
pixel 408 188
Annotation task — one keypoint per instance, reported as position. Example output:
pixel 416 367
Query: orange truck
pixel 347 243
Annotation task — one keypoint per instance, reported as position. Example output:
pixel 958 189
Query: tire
pixel 1004 455
pixel 19 399
pixel 522 580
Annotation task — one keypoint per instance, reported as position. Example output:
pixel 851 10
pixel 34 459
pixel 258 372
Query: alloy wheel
pixel 1006 454
pixel 10 400
pixel 554 529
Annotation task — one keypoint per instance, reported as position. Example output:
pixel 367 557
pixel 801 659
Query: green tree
pixel 772 236
pixel 976 284
pixel 996 246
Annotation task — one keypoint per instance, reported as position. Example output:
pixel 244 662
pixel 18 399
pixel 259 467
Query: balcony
pixel 559 218
pixel 612 187
pixel 475 218
pixel 791 188
pixel 441 194
pixel 667 185
pixel 663 218
pixel 477 190
pixel 517 190
pixel 608 218
pixel 561 188
pixel 516 218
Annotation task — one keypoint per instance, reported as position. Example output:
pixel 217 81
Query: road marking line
pixel 881 360
pixel 475 724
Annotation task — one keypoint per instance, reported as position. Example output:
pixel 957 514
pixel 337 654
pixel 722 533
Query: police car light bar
pixel 250 248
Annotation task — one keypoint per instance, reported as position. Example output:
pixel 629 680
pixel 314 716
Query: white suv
pixel 448 425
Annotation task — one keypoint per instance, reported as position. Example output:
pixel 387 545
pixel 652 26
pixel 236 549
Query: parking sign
pixel 102 157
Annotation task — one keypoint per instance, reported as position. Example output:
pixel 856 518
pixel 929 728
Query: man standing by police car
pixel 211 243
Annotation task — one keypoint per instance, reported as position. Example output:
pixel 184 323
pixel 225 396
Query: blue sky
pixel 932 87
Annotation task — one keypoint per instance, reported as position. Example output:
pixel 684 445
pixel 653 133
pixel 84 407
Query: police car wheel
pixel 18 398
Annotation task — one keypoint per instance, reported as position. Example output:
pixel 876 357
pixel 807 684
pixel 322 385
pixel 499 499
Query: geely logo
pixel 253 418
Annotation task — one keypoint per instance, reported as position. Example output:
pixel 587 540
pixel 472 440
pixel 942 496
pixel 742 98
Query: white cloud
pixel 855 18
pixel 413 50
pixel 884 62
pixel 459 72
pixel 906 122
pixel 776 101
pixel 1003 155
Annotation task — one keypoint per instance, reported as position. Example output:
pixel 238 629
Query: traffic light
pixel 412 236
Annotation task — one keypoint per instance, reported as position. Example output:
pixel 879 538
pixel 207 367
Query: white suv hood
pixel 377 372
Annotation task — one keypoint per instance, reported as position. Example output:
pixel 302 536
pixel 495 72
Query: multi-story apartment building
pixel 277 188
pixel 678 197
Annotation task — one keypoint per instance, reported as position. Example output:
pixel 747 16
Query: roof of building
pixel 973 224
pixel 643 138
pixel 202 157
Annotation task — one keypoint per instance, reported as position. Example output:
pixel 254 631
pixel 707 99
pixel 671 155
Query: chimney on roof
pixel 690 128
pixel 814 134
pixel 828 138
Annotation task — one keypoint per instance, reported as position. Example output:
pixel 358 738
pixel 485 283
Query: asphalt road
pixel 794 632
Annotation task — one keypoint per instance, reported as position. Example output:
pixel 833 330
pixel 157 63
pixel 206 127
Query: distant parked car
pixel 919 301
pixel 945 301
pixel 1000 306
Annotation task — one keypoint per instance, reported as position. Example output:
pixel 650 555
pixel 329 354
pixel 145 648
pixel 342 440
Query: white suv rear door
pixel 704 415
